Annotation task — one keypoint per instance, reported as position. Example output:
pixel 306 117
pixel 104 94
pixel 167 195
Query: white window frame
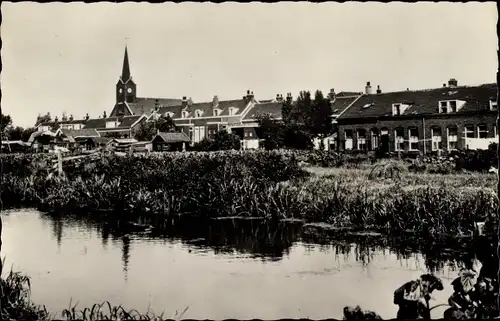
pixel 375 139
pixel 216 112
pixel 399 140
pixel 351 140
pixel 111 124
pixel 479 131
pixel 493 104
pixel 231 111
pixel 466 131
pixel 443 104
pixel 450 107
pixel 436 140
pixel 359 140
pixel 198 113
pixel 412 139
pixel 185 114
pixel 455 137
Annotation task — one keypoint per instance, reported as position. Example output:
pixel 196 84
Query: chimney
pixel 215 101
pixel 368 88
pixel 249 96
pixel 184 102
pixel 452 83
pixel 56 119
pixel 87 116
pixel 332 95
pixel 157 105
pixel 71 118
pixel 289 98
pixel 279 98
pixel 444 85
pixel 104 115
pixel 379 91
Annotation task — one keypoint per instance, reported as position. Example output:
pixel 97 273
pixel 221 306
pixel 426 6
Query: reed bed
pixel 267 184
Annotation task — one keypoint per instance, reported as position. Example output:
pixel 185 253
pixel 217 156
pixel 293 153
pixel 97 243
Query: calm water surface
pixel 234 276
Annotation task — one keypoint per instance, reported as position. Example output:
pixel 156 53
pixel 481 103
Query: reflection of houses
pixel 446 118
pixel 170 141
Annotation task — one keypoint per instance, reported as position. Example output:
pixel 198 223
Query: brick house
pixel 423 121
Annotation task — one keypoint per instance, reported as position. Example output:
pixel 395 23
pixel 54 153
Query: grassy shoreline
pixel 266 184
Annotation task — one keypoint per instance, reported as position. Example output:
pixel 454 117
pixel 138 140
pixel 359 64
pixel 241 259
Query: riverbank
pixel 160 188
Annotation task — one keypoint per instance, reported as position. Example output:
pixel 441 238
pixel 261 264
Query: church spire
pixel 126 68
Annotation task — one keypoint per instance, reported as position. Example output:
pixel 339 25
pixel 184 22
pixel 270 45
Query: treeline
pixel 10 132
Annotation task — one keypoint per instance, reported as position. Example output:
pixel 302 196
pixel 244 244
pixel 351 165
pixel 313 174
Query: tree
pixel 321 121
pixel 270 131
pixel 5 122
pixel 148 129
pixel 43 119
pixel 221 140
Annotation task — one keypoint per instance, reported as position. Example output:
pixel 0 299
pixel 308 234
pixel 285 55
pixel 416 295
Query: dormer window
pixel 443 107
pixel 493 104
pixel 111 124
pixel 453 106
pixel 232 111
pixel 398 109
pixel 198 113
pixel 185 114
pixel 450 106
pixel 368 105
pixel 216 112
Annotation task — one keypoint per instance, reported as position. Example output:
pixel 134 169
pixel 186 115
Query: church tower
pixel 125 88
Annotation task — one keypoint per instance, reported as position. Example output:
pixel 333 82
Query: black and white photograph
pixel 287 160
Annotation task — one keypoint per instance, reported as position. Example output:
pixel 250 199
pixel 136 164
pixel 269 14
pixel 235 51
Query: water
pixel 224 273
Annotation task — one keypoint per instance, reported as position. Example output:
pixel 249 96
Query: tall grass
pixel 267 184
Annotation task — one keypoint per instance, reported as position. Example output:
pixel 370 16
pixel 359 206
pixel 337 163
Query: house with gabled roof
pixel 446 118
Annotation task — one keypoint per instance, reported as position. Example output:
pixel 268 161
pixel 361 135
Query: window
pixel 443 107
pixel 216 112
pixel 436 138
pixel 232 111
pixel 198 113
pixel 493 104
pixel 482 131
pixel 413 133
pixel 111 124
pixel 191 133
pixel 469 131
pixel 250 134
pixel 375 139
pixel 348 139
pixel 452 138
pixel 453 106
pixel 397 110
pixel 246 134
pixel 399 139
pixel 384 132
pixel 361 139
pixel 185 114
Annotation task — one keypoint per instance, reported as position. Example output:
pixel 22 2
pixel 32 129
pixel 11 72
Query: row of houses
pixel 421 121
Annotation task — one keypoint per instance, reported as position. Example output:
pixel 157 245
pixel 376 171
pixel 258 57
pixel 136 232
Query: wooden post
pixel 59 163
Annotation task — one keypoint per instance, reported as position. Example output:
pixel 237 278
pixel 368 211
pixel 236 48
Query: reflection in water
pixel 188 263
pixel 272 242
pixel 125 254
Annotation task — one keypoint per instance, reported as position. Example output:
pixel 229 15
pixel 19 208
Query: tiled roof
pixel 86 132
pixel 146 105
pixel 36 134
pixel 341 103
pixel 348 93
pixel 173 137
pixel 207 108
pixel 422 102
pixel 100 123
pixel 265 108
pixel 60 122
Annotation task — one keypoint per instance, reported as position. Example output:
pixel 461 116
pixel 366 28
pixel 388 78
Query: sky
pixel 67 57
